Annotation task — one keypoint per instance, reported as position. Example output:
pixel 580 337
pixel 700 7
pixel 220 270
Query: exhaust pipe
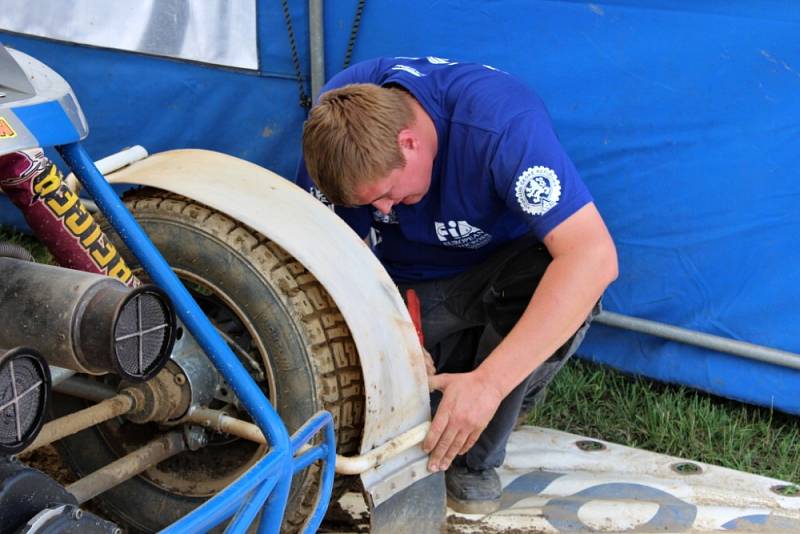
pixel 24 393
pixel 85 322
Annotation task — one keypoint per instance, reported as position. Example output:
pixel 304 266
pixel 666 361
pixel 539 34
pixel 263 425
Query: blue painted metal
pixel 271 477
pixel 325 451
pixel 252 505
pixel 48 123
pixel 225 503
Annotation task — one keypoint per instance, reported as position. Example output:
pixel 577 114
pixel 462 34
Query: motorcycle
pixel 233 406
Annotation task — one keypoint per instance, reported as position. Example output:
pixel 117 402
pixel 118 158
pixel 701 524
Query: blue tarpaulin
pixel 683 118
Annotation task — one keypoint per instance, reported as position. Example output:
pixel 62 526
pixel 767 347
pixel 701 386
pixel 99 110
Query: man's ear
pixel 407 139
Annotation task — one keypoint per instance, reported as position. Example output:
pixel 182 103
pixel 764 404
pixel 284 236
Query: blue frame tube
pixel 249 510
pixel 225 503
pixel 309 457
pixel 195 320
pixel 328 474
pixel 326 450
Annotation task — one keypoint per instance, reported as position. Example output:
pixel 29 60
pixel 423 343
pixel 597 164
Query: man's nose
pixel 384 205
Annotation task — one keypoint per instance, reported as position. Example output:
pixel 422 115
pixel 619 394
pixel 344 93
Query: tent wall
pixel 684 122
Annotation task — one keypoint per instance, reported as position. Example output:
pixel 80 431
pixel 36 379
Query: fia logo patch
pixel 538 190
pixel 460 234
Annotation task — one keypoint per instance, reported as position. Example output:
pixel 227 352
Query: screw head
pixel 687 468
pixel 589 445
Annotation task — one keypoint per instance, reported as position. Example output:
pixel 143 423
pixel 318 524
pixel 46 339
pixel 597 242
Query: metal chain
pixel 305 100
pixel 354 32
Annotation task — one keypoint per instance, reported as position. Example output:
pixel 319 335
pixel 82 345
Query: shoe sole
pixel 473 507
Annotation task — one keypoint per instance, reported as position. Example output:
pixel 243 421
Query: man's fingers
pixel 439 382
pixel 438 426
pixel 429 365
pixel 470 441
pixel 437 461
pixel 452 451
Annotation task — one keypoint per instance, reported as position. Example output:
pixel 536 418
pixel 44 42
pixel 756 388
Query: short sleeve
pixel 533 174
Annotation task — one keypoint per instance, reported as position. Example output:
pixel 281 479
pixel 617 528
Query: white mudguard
pixel 395 382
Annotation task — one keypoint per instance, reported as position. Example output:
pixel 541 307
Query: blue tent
pixel 683 120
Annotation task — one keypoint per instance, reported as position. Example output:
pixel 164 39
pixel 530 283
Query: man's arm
pixel 584 264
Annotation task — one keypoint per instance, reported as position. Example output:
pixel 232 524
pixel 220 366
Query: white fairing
pixel 395 382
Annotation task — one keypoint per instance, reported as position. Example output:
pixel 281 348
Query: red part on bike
pixel 58 218
pixel 415 310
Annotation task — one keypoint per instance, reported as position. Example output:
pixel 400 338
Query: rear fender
pixel 395 381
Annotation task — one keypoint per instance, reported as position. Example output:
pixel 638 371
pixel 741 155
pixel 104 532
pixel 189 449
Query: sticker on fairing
pixel 6 131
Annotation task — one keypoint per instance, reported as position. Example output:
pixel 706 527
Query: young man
pixel 478 208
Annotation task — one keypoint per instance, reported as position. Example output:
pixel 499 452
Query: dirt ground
pixel 46 459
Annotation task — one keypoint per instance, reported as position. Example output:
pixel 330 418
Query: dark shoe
pixel 472 492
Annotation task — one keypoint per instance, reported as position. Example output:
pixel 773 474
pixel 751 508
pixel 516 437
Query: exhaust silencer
pixel 24 393
pixel 85 322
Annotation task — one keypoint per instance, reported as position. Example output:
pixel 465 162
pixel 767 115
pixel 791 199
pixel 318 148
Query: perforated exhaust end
pixel 139 340
pixel 86 322
pixel 24 394
pixel 144 334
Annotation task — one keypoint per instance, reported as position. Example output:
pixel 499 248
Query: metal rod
pixel 127 467
pixel 316 38
pixel 75 422
pixel 222 422
pixel 85 388
pixel 700 339
pixel 107 165
pixel 346 465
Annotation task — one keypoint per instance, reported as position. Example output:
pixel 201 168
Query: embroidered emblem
pixel 410 70
pixel 461 234
pixel 538 190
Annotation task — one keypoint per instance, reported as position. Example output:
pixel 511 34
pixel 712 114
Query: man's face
pixel 401 186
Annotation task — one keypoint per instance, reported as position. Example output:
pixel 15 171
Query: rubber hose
pixel 12 250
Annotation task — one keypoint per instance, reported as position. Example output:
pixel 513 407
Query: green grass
pixel 599 402
pixel 35 247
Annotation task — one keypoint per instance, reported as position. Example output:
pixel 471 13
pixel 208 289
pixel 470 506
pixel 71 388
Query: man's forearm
pixel 569 289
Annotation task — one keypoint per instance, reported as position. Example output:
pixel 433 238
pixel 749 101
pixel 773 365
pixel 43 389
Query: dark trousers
pixel 465 317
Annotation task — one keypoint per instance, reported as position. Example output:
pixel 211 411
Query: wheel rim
pixel 204 472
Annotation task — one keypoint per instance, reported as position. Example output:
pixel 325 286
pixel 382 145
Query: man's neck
pixel 425 127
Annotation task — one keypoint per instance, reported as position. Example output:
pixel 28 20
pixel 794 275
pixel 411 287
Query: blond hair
pixel 350 137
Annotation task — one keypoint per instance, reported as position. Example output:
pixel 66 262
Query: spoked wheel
pixel 281 324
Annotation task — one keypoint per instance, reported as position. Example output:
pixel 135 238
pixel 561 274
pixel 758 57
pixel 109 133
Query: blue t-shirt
pixel 500 172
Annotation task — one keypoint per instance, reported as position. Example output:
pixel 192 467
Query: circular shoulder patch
pixel 538 190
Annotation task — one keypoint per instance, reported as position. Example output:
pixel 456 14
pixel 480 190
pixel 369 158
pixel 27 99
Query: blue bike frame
pixel 265 486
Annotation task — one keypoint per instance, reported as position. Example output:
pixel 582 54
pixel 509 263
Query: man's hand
pixel 430 367
pixel 468 404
